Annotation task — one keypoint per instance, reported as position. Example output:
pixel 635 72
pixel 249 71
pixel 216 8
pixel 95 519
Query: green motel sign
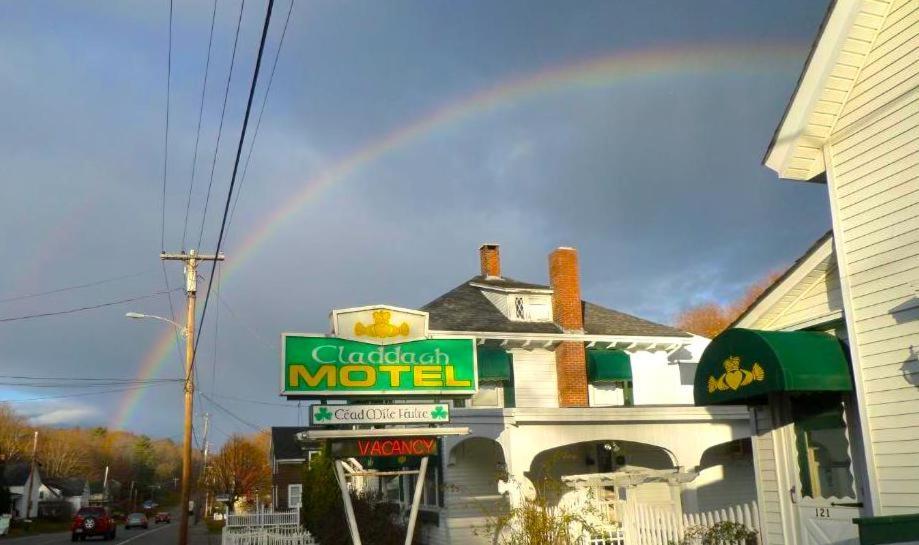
pixel 315 366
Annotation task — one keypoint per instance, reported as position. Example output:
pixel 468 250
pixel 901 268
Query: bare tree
pixel 14 434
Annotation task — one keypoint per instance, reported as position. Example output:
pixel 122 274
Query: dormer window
pixel 530 308
pixel 519 309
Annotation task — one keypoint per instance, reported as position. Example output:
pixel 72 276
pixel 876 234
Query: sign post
pixel 379 352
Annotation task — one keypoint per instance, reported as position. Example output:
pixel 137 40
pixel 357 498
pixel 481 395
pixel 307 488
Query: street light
pixel 138 315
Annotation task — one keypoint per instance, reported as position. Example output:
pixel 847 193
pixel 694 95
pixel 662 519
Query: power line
pixel 245 324
pixel 82 394
pixel 223 111
pixel 239 149
pixel 194 160
pixel 257 402
pixel 81 309
pixel 73 386
pixel 216 337
pixel 223 409
pixel 94 379
pixel 75 287
pixel 166 136
pixel 172 314
pixel 258 122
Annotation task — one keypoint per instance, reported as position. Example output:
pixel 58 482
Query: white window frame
pixel 290 495
pixel 310 455
pixel 527 302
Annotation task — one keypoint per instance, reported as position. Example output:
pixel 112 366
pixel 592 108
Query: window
pixel 429 490
pixel 519 309
pixel 489 395
pixel 823 447
pixel 611 394
pixel 294 495
pixel 310 455
pixel 530 308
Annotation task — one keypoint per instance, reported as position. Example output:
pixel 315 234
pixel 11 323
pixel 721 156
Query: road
pixel 157 534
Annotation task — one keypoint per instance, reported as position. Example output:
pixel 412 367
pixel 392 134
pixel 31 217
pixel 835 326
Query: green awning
pixel 608 366
pixel 743 365
pixel 494 364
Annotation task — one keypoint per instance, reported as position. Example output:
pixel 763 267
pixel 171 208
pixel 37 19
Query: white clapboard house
pixel 827 358
pixel 593 398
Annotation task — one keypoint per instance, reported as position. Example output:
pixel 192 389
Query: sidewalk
pixel 198 535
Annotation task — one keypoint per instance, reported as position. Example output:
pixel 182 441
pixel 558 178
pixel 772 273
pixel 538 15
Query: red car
pixel 92 521
pixel 161 517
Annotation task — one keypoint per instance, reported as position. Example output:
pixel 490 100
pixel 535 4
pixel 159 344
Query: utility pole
pixel 32 475
pixel 191 260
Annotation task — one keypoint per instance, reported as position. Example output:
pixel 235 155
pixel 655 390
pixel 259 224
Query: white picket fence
pixel 264 518
pixel 267 536
pixel 651 525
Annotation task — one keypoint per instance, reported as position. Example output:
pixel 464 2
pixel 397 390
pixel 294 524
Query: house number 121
pixel 823 512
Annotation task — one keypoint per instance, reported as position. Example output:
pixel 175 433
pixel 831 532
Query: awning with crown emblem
pixel 743 365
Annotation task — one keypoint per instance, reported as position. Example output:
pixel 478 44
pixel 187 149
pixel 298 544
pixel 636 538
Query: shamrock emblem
pixel 439 413
pixel 322 414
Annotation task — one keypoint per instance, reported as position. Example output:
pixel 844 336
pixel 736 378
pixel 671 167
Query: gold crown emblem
pixel 381 328
pixel 734 376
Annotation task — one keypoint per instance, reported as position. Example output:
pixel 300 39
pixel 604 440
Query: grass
pixel 19 529
pixel 214 526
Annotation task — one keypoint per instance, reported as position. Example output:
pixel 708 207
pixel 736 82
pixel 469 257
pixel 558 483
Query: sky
pixel 396 138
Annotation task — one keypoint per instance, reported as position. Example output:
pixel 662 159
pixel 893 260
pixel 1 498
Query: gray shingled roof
pixel 465 308
pixel 507 283
pixel 69 487
pixel 606 321
pixel 285 444
pixel 16 473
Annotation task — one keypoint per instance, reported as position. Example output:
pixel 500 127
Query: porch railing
pixel 264 519
pixel 652 525
pixel 267 536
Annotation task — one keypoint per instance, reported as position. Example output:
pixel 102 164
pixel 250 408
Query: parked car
pixel 136 520
pixel 161 517
pixel 92 521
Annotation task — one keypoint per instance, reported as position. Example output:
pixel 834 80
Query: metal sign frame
pixel 342 477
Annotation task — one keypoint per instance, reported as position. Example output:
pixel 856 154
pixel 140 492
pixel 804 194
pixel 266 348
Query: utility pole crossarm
pixel 165 256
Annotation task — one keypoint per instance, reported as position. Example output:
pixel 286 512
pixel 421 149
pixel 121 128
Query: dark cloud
pixel 657 181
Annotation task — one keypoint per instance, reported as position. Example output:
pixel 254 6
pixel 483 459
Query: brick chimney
pixel 570 358
pixel 491 260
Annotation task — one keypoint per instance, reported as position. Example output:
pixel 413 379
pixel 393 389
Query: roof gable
pixel 844 41
pixel 808 294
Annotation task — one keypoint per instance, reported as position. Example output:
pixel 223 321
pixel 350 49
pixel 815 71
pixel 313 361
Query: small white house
pixel 23 480
pixel 74 491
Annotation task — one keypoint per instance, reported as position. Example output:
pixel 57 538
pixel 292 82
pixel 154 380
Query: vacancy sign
pixel 430 413
pixel 385 447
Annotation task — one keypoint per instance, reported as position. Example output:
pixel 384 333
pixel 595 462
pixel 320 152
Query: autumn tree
pixel 14 434
pixel 710 319
pixel 240 468
pixel 63 453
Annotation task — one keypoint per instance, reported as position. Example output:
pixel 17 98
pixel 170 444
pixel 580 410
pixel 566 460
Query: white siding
pixel 891 68
pixel 818 300
pixel 767 472
pixel 726 478
pixel 471 491
pixel 874 181
pixel 535 378
pixel 656 380
pixel 499 300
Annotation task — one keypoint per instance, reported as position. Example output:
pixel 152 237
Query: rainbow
pixel 597 72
